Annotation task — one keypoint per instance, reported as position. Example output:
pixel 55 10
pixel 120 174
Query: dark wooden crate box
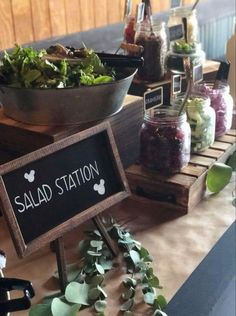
pixel 184 190
pixel 17 138
pixel 138 87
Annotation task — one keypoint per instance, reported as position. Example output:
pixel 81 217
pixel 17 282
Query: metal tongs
pixel 73 56
pixel 116 60
pixel 23 303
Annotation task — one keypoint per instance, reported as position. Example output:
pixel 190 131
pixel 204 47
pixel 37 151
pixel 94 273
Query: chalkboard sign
pixel 176 83
pixel 176 32
pixel 197 73
pixel 153 98
pixel 52 190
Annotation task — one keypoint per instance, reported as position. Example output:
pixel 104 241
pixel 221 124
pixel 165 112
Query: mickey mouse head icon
pixel 30 176
pixel 100 188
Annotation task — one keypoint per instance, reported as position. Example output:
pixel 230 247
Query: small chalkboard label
pixel 175 3
pixel 176 32
pixel 197 73
pixel 176 84
pixel 54 189
pixel 140 12
pixel 153 98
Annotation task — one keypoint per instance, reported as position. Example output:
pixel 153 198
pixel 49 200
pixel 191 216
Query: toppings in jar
pixel 165 145
pixel 201 118
pixel 181 47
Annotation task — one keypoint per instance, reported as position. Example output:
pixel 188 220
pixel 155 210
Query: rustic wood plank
pixel 122 9
pixel 192 170
pixel 59 247
pixel 114 11
pixel 7 38
pixel 158 6
pixel 100 12
pixel 231 132
pixel 41 19
pixel 58 17
pixel 22 21
pixel 177 179
pixel 87 14
pixel 73 21
pixel 227 139
pixel 158 191
pixel 197 191
pixel 227 153
pixel 220 145
pixel 211 153
pixel 202 161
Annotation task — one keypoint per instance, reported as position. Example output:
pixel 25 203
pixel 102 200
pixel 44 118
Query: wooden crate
pixel 183 190
pixel 17 138
pixel 138 87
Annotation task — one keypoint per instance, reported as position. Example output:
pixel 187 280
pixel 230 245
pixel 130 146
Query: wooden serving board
pixel 183 190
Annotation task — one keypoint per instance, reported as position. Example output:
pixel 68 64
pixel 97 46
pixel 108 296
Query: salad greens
pixel 29 68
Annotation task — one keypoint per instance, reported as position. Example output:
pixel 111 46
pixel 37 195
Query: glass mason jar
pixel 178 50
pixel 154 41
pixel 164 141
pixel 201 117
pixel 129 29
pixel 176 17
pixel 222 103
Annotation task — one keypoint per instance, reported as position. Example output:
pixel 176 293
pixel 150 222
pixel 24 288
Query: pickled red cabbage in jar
pixel 164 141
pixel 221 102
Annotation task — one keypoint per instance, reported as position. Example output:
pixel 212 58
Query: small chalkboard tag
pixel 176 83
pixel 197 73
pixel 54 189
pixel 153 98
pixel 175 3
pixel 176 32
pixel 140 12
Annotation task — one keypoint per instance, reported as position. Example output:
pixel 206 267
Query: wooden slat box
pixel 17 138
pixel 138 87
pixel 183 190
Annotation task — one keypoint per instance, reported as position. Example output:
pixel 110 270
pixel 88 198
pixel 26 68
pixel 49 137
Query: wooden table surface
pixel 177 243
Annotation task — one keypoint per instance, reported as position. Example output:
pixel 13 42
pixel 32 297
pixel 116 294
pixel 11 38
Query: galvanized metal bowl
pixel 66 106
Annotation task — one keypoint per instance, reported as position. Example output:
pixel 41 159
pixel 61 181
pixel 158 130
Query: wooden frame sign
pixel 49 192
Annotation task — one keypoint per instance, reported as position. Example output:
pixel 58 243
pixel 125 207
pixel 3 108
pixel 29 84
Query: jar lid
pixel 207 87
pixel 200 100
pixel 184 12
pixel 164 115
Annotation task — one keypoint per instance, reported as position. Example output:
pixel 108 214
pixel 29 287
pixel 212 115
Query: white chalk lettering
pixel 58 186
pixel 19 203
pixel 32 200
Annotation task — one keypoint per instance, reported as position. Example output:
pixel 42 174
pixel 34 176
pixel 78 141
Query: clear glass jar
pixel 129 30
pixel 179 50
pixel 176 17
pixel 164 141
pixel 222 103
pixel 154 41
pixel 201 117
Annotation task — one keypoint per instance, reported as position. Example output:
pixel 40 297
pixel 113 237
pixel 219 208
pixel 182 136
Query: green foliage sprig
pixel 138 262
pixel 86 278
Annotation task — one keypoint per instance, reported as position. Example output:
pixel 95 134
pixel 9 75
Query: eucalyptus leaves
pixel 86 278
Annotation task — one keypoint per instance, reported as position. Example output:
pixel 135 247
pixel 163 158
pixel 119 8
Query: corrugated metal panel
pixel 214 36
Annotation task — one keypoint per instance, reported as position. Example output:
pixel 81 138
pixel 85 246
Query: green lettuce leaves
pixel 29 68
